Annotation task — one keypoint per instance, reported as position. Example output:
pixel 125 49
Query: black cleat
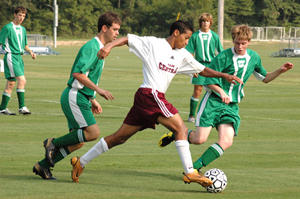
pixel 49 150
pixel 166 139
pixel 43 172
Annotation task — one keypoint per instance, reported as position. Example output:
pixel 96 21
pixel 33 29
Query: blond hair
pixel 205 17
pixel 241 32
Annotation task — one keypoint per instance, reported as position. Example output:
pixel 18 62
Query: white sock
pixel 99 148
pixel 183 149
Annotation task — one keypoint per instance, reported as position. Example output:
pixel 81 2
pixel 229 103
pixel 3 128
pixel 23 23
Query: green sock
pixel 21 97
pixel 193 106
pixel 212 153
pixel 188 137
pixel 5 100
pixel 74 137
pixel 61 154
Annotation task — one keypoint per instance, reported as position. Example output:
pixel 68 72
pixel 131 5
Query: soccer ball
pixel 218 178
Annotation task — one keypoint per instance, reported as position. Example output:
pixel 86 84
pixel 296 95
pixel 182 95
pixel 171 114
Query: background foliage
pixel 78 18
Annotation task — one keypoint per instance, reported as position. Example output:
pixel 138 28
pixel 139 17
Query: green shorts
pixel 213 112
pixel 200 79
pixel 13 66
pixel 77 109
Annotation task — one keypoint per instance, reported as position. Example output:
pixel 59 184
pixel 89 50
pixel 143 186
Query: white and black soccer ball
pixel 218 178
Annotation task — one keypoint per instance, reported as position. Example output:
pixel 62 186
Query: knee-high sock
pixel 21 97
pixel 5 100
pixel 183 149
pixel 99 148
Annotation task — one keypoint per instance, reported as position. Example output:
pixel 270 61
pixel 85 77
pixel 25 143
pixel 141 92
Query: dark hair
pixel 180 25
pixel 108 19
pixel 20 9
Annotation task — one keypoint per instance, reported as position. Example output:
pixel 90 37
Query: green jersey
pixel 13 38
pixel 89 64
pixel 204 45
pixel 241 66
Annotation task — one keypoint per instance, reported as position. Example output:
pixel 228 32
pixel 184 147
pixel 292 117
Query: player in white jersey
pixel 13 40
pixel 162 60
pixel 219 106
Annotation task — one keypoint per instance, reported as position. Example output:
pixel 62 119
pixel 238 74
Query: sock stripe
pixel 80 136
pixel 20 90
pixel 195 99
pixel 218 149
pixel 63 152
pixel 6 94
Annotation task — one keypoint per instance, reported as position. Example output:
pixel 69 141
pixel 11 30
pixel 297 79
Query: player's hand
pixel 103 52
pixel 233 79
pixel 225 98
pixel 106 94
pixel 33 55
pixel 195 75
pixel 96 107
pixel 287 66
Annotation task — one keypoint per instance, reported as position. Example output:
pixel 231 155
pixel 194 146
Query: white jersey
pixel 160 62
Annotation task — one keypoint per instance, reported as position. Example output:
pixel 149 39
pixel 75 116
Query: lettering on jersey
pixel 241 62
pixel 205 36
pixel 169 68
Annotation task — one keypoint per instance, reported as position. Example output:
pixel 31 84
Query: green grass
pixel 263 163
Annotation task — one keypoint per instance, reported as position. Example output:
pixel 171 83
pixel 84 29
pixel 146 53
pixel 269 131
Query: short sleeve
pixel 259 71
pixel 140 46
pixel 189 64
pixel 3 35
pixel 85 60
pixel 191 45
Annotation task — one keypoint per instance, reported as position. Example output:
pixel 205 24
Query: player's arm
pixel 208 72
pixel 96 107
pixel 104 52
pixel 82 78
pixel 216 88
pixel 33 55
pixel 273 75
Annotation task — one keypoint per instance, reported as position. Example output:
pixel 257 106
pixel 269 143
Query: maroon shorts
pixel 148 105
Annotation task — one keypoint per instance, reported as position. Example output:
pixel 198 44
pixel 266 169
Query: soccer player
pixel 219 107
pixel 162 59
pixel 203 44
pixel 78 99
pixel 13 40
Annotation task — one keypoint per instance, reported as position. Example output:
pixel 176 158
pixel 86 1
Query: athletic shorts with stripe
pixel 13 66
pixel 147 107
pixel 77 108
pixel 213 112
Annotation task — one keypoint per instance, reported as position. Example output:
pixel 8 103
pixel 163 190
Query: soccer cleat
pixel 191 119
pixel 49 150
pixel 198 178
pixel 24 110
pixel 77 169
pixel 6 112
pixel 43 172
pixel 166 139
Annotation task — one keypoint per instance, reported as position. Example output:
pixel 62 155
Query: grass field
pixel 263 163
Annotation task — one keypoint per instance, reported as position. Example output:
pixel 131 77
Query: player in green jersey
pixel 203 45
pixel 13 40
pixel 78 99
pixel 219 106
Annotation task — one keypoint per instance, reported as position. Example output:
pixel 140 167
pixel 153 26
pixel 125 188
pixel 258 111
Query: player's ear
pixel 176 32
pixel 104 28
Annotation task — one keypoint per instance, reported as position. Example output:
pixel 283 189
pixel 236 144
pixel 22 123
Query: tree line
pixel 78 18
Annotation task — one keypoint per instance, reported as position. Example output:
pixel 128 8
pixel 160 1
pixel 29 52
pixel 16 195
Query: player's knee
pixel 199 140
pixel 225 144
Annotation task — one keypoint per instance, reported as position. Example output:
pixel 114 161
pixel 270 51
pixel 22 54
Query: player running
pixel 78 99
pixel 162 60
pixel 219 106
pixel 13 39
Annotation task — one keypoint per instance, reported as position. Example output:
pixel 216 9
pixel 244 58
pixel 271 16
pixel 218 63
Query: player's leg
pixel 177 126
pixel 213 152
pixel 194 101
pixel 117 138
pixel 10 84
pixel 21 82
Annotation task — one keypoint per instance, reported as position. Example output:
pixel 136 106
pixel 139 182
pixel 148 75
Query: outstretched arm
pixel 273 75
pixel 104 52
pixel 208 72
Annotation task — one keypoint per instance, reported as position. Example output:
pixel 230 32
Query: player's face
pixel 240 46
pixel 181 40
pixel 113 32
pixel 205 25
pixel 19 17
